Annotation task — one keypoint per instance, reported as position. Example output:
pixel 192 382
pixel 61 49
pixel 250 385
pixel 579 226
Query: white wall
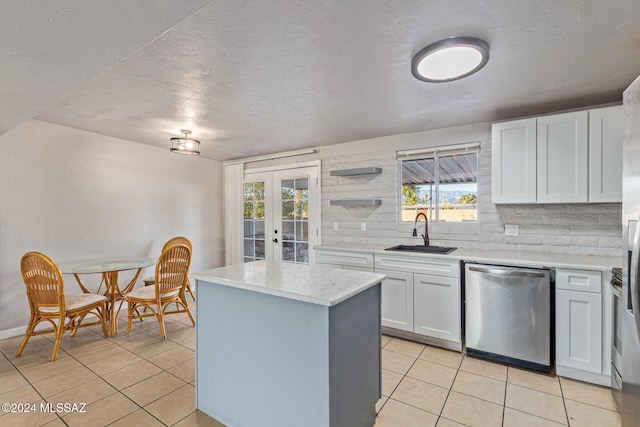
pixel 73 195
pixel 593 229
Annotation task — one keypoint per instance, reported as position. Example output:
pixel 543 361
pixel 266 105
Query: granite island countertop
pixel 309 283
pixel 491 256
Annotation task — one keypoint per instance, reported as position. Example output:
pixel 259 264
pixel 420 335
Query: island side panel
pixel 355 359
pixel 261 359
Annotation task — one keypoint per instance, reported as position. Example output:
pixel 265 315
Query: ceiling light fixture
pixel 185 145
pixel 450 59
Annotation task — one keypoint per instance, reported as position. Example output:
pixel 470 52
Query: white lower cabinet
pixel 397 300
pixel 579 329
pixel 583 345
pixel 421 296
pixel 436 306
pixel 421 300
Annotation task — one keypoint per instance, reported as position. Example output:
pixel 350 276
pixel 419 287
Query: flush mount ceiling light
pixel 450 59
pixel 185 145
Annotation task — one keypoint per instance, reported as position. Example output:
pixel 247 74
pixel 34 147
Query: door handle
pixel 275 240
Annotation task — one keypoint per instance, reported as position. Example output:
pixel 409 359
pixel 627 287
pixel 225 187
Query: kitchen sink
pixel 422 249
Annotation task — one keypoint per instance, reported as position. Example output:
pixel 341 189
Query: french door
pixel 281 215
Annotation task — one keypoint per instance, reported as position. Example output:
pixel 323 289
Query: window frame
pixel 435 153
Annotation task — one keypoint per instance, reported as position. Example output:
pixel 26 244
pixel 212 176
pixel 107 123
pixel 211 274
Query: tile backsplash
pixel 589 229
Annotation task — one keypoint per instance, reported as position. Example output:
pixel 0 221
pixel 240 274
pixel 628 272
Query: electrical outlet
pixel 363 226
pixel 335 226
pixel 511 230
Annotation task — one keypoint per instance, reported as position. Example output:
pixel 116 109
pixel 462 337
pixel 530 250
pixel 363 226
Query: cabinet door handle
pixel 506 272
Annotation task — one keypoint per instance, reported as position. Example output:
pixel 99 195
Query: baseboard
pixel 589 377
pixel 437 342
pixel 14 332
pixel 20 330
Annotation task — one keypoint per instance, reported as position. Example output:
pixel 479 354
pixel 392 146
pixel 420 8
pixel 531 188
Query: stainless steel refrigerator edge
pixel 631 301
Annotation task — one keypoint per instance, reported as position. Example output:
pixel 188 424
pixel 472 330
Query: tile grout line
pixel 162 370
pixel 506 382
pixel 31 385
pixel 100 377
pixel 449 393
pixel 103 379
pixel 449 389
pixel 536 415
pixel 509 367
pixel 120 391
pixel 20 371
pixel 504 400
pixel 403 375
pixel 118 343
pixel 564 403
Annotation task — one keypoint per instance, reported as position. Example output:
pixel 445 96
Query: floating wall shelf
pixel 356 171
pixel 366 202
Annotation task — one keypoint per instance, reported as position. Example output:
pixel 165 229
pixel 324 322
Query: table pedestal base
pixel 115 295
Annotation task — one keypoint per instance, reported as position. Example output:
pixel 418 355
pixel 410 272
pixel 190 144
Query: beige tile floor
pixel 134 380
pixel 428 386
pixel 140 380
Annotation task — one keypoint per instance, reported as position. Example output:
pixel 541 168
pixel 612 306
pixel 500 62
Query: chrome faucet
pixel 425 236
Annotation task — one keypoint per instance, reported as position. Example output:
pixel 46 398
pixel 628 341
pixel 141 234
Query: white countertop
pixel 490 256
pixel 309 283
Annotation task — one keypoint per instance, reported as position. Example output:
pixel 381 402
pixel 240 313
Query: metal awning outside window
pixel 455 168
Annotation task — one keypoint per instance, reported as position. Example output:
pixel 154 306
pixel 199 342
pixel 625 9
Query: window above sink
pixel 441 182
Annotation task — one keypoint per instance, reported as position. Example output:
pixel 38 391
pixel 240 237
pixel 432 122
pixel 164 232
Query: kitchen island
pixel 288 345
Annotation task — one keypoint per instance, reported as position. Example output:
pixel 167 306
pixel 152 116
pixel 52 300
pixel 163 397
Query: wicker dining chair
pixel 48 302
pixel 169 287
pixel 174 240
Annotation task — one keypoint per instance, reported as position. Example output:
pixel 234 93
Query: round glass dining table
pixel 109 269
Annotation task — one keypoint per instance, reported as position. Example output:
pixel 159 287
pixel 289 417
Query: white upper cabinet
pixel 513 159
pixel 563 158
pixel 606 132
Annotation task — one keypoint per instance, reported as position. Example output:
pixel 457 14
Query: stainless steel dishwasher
pixel 508 315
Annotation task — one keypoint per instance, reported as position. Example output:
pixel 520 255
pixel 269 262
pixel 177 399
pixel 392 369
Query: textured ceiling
pixel 254 77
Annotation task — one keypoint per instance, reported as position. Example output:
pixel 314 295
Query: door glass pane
pixel 248 248
pixel 287 189
pixel 288 209
pixel 302 230
pixel 254 221
pixel 288 231
pixel 259 249
pixel 248 228
pixel 287 251
pixel 259 229
pixel 295 220
pixel 302 251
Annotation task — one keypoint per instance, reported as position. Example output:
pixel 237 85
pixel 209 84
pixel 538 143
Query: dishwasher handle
pixel 498 271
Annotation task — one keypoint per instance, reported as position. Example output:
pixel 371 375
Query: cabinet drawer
pixel 423 265
pixel 579 280
pixel 353 259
